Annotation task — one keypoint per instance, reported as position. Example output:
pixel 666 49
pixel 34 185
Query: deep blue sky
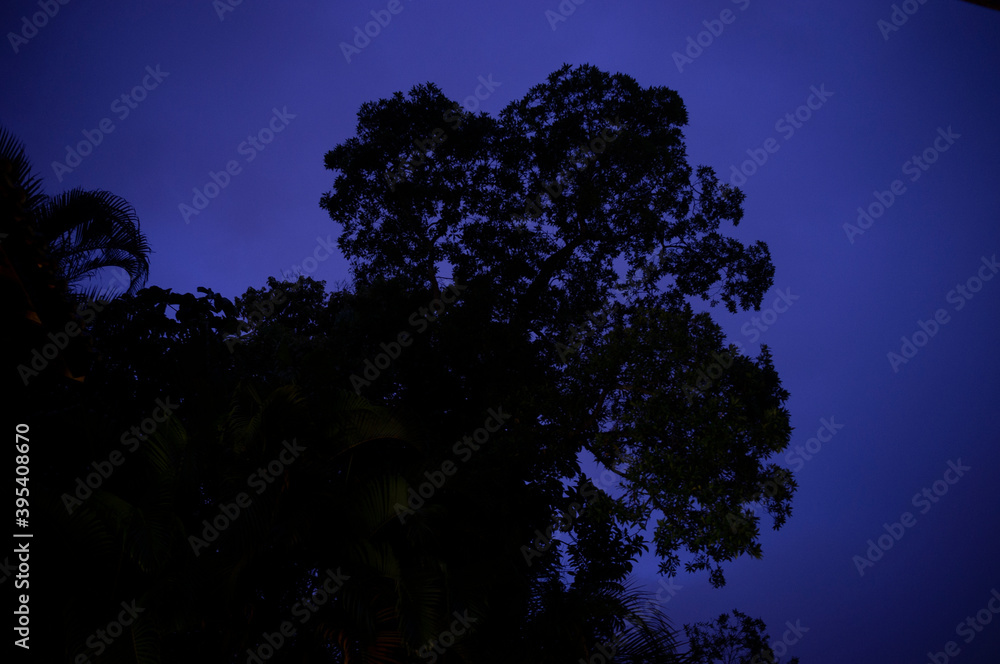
pixel 853 300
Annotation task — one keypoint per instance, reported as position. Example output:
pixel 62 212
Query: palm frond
pixel 14 166
pixel 89 231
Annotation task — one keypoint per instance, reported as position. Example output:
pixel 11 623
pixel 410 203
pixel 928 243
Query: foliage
pixel 736 639
pixel 493 278
pixel 532 280
pixel 84 232
pixel 54 252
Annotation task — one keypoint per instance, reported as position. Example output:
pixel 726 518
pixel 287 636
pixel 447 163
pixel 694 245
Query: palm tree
pixel 597 622
pixel 82 232
pixel 89 231
pixel 52 246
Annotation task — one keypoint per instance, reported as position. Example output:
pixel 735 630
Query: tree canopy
pixel 523 296
pixel 735 639
pixel 544 223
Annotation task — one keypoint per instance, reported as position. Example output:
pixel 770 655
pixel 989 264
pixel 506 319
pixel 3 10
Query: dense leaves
pixel 735 639
pixel 545 223
pixel 523 301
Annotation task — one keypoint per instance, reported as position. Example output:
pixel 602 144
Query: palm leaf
pixel 89 231
pixel 16 169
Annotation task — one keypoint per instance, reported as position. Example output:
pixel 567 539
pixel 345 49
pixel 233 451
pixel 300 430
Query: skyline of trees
pixel 530 218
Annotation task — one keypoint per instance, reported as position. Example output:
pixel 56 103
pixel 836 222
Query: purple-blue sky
pixel 888 94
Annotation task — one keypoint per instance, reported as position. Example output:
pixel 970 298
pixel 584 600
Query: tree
pixel 51 246
pixel 511 312
pixel 85 232
pixel 736 639
pixel 534 214
pixel 342 506
pixel 221 528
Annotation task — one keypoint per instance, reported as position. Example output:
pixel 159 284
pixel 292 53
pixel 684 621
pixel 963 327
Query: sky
pixel 882 320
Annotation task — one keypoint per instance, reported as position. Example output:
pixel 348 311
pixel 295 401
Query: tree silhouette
pixel 736 639
pixel 84 232
pixel 536 214
pixel 523 296
pixel 51 247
